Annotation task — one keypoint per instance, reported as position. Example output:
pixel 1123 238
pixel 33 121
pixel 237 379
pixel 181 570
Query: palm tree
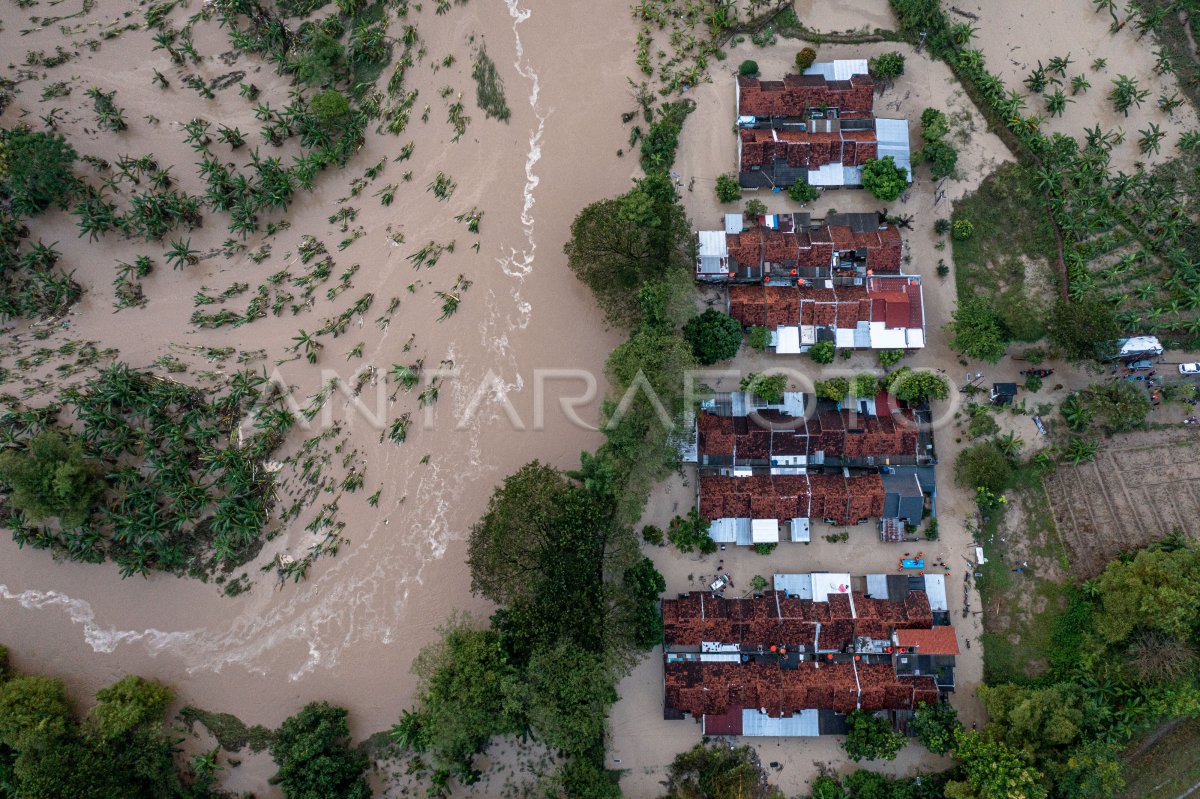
pixel 1056 103
pixel 962 33
pixel 1059 64
pixel 1010 444
pixel 1149 140
pixel 1126 93
pixel 181 254
pixel 1076 413
pixel 1081 450
pixel 1079 84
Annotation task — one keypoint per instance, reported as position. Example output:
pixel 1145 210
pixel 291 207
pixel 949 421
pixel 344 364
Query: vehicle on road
pixel 1140 366
pixel 1036 372
pixel 1189 368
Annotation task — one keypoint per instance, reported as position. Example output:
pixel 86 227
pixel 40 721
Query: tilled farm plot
pixel 1139 489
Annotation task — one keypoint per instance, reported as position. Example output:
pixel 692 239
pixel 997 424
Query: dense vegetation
pixel 180 493
pixel 122 747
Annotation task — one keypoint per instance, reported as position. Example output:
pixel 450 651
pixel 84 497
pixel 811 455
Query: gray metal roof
pixel 804 723
pixel 841 69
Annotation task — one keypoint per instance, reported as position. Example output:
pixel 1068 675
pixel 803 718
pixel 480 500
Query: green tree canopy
pixel 312 751
pixel 822 352
pixel 975 331
pixel 1119 406
pixel 992 770
pixel 871 737
pixel 716 772
pixel 1038 721
pixel 33 705
pixel 51 478
pixel 834 389
pixel 769 388
pixel 935 726
pixel 332 110
pixel 35 170
pixel 618 244
pixel 983 465
pixel 917 387
pixel 884 179
pixel 1082 329
pixel 886 66
pixel 571 692
pixel 1157 590
pixel 714 336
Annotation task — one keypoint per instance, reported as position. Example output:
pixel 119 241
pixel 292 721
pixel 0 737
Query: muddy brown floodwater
pixel 348 633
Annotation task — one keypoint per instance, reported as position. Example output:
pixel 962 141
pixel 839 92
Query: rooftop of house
pixel 706 688
pixel 802 626
pixel 894 300
pixel 935 641
pixel 797 94
pixel 845 500
pixel 814 247
pixel 806 148
pixel 842 433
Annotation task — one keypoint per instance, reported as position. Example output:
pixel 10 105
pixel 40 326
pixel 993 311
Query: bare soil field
pixel 1140 488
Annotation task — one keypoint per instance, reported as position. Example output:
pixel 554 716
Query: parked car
pixel 1189 368
pixel 1140 366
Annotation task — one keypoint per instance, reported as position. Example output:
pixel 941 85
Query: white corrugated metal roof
pixel 787 341
pixel 764 531
pixel 877 586
pixel 826 583
pixel 884 338
pixel 806 724
pixel 915 338
pixel 892 135
pixel 800 531
pixel 844 338
pixel 712 244
pixel 864 335
pixel 840 69
pixel 723 531
pixel 935 589
pixel 734 223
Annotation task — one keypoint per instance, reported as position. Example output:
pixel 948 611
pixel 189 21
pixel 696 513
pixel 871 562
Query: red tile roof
pixel 937 641
pixel 846 500
pixel 807 149
pixel 815 248
pixel 796 94
pixel 894 300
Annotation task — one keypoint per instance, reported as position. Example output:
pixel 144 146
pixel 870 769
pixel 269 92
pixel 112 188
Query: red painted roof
pixel 796 94
pixel 937 641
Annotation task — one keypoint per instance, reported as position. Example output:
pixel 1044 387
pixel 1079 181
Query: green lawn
pixel 1011 225
pixel 1168 769
pixel 1020 608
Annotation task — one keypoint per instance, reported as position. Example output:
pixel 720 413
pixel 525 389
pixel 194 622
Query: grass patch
pixel 489 88
pixel 1012 244
pixel 1174 37
pixel 1168 768
pixel 231 732
pixel 1020 609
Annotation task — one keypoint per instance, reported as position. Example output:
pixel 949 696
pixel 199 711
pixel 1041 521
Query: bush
pixel 748 67
pixel 941 156
pixel 834 389
pixel 714 336
pixel 942 269
pixel 662 139
pixel 728 189
pixel 975 331
pixel 983 465
pixel 332 110
pixel 51 479
pixel 802 192
pixel 934 726
pixel 822 352
pixel 889 358
pixel 1080 329
pixel 755 209
pixel 653 535
pixel 805 58
pixel 963 229
pixel 764 549
pixel 759 338
pixel 826 787
pixel 982 424
pixel 884 179
pixel 769 388
pixel 688 533
pixel 934 125
pixel 931 529
pixel 917 386
pixel 35 170
pixel 941 227
pixel 886 66
pixel 871 737
pixel 1033 383
pixel 759 582
pixel 312 750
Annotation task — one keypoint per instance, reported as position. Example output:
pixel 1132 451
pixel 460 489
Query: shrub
pixel 332 110
pixel 982 424
pixel 1033 383
pixel 963 229
pixel 934 125
pixel 864 385
pixel 35 170
pixel 755 209
pixel 769 388
pixel 822 352
pixel 662 139
pixel 52 479
pixel 985 466
pixel 728 190
pixel 805 58
pixel 941 227
pixel 889 358
pixel 975 331
pixel 884 179
pixel 931 529
pixel 886 66
pixel 834 389
pixel 688 533
pixel 714 336
pixel 935 725
pixel 802 192
pixel 942 269
pixel 759 338
pixel 871 737
pixel 653 535
pixel 748 67
pixel 941 156
pixel 764 549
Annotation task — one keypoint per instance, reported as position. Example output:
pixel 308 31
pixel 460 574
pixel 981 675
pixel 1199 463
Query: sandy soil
pixel 349 632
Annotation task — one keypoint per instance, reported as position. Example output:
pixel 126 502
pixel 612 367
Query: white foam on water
pixel 80 612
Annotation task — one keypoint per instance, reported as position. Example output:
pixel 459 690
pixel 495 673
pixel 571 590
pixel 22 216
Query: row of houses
pixel 793 661
pixel 766 472
pixel 818 128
